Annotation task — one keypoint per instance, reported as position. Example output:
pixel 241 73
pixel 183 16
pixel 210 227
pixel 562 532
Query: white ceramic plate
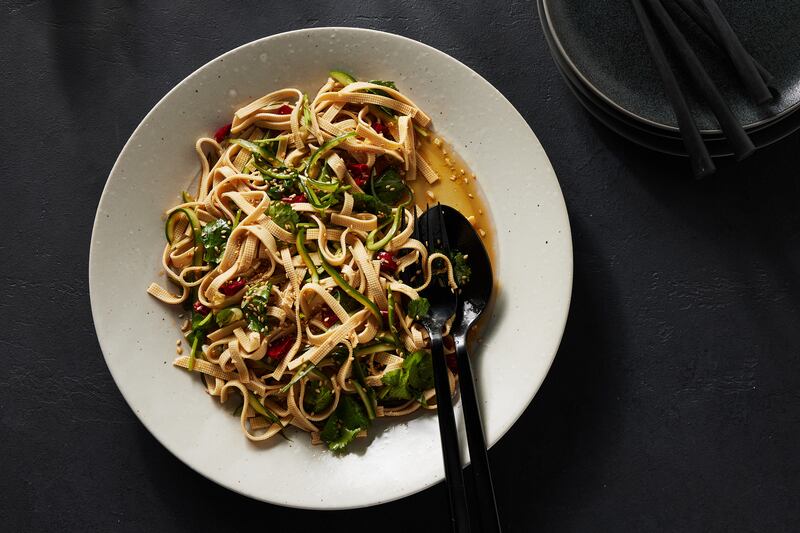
pixel 137 334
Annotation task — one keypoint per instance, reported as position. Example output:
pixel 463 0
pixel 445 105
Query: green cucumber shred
pixel 342 77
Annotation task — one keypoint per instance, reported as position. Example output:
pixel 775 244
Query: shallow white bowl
pixel 137 334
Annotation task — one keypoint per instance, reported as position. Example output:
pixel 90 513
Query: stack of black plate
pixel 599 49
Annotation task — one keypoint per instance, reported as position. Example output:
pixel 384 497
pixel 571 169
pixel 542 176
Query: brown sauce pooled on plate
pixel 457 187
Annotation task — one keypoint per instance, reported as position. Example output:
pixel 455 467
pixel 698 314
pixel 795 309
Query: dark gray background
pixel 673 403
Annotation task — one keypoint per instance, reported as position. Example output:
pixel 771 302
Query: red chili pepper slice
pixel 229 288
pixel 284 110
pixel 452 362
pixel 200 308
pixel 294 199
pixel 360 173
pixel 328 317
pixel 379 128
pixel 388 261
pixel 280 347
pixel 222 132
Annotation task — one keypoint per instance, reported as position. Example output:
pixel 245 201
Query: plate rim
pixel 568 273
pixel 762 136
pixel 760 124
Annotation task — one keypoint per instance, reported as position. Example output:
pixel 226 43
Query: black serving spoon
pixel 472 300
pixel 431 230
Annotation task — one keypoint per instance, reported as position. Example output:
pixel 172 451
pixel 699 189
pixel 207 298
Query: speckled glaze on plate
pixel 601 42
pixel 137 334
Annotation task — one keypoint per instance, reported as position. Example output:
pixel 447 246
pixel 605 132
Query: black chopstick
pixel 699 158
pixel 481 487
pixel 741 60
pixel 702 19
pixel 454 474
pixel 451 454
pixel 741 143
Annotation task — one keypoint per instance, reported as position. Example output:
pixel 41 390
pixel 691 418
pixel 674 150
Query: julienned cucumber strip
pixel 374 348
pixel 194 222
pixel 342 77
pixel 172 219
pixel 259 408
pixel 301 249
pixel 350 291
pixel 366 400
pixel 325 147
pixel 372 245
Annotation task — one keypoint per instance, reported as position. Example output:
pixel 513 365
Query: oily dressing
pixel 457 186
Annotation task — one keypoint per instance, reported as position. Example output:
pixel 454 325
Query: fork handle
pixel 482 475
pixel 454 475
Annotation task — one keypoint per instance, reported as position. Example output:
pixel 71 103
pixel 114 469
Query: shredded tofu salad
pixel 290 253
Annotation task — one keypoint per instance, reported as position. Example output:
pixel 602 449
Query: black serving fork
pixel 430 230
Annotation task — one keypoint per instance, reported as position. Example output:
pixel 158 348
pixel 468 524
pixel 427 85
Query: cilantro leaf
pixel 461 270
pixel 330 431
pixel 283 215
pixel 371 204
pixel 254 306
pixel 389 188
pixel 279 188
pixel 412 380
pixel 214 238
pixel 318 396
pixel 418 308
pixel 343 438
pixel 352 413
pixel 389 84
pixel 420 370
pixel 344 424
pixel 396 383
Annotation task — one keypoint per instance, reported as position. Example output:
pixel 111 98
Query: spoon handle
pixel 454 475
pixel 484 489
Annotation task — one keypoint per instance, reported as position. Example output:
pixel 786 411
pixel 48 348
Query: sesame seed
pixel 471 219
pixel 483 233
pixel 437 141
pixel 470 195
pixel 431 195
pixel 452 178
pixel 462 171
pixel 444 152
pixel 480 211
pixel 466 180
pixel 178 342
pixel 448 162
pixel 178 350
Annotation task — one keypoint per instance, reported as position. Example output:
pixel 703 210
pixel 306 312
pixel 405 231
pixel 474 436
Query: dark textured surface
pixel 674 401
